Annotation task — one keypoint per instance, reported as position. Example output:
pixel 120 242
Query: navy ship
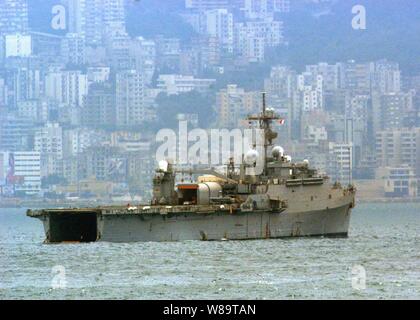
pixel 286 200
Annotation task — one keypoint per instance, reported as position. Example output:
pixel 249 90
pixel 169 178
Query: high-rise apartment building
pixel 253 37
pixel 13 16
pixel 73 49
pixel 219 23
pixel 203 5
pixel 233 104
pixel 330 74
pixel 386 77
pixel 281 6
pixel 27 166
pixel 310 88
pixel 96 19
pixel 67 86
pixel 398 147
pixel 17 45
pixel 389 110
pixel 340 164
pixel 261 9
pixel 26 84
pixel 400 182
pixel 49 140
pixel 282 82
pixel 20 173
pixel 16 133
pixel 356 76
pixel 143 52
pixel 100 108
pixel 130 98
pixel 176 84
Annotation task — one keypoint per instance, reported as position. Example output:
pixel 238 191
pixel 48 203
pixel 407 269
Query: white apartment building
pixel 203 5
pixel 175 84
pixel 67 86
pixel 49 140
pixel 18 45
pixel 310 88
pixel 13 16
pixel 98 74
pixel 313 135
pixel 28 166
pixel 254 49
pixel 356 76
pixel 3 92
pixel 270 30
pixel 257 9
pixel 330 74
pixel 73 49
pixel 29 109
pixel 389 109
pixel 281 5
pixel 282 82
pixel 131 98
pixel 398 147
pixel 143 52
pixel 386 77
pixel 253 37
pixel 340 164
pixel 262 9
pixel 76 141
pixel 234 103
pixel 27 84
pixel 95 19
pixel 399 182
pixel 219 23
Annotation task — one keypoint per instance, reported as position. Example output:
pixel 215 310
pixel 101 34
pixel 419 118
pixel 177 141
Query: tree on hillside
pixel 191 103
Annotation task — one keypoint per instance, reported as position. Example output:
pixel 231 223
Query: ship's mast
pixel 264 120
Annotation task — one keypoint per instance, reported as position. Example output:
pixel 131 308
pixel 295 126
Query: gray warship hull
pixel 113 224
pixel 261 225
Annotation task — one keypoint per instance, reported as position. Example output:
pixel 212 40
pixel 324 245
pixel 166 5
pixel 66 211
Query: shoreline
pixel 388 200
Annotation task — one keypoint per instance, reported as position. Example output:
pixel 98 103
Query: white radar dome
pixel 277 152
pixel 251 157
pixel 163 165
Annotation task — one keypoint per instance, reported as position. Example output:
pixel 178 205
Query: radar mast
pixel 265 119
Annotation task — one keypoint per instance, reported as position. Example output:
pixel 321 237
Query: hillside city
pixel 80 106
